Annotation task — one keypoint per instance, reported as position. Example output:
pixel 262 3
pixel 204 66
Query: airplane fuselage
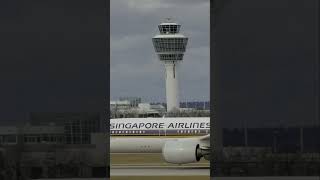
pixel 148 135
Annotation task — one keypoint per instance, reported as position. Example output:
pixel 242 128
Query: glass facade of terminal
pixel 77 126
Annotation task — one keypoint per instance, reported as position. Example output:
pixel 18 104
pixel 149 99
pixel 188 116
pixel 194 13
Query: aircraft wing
pixel 205 142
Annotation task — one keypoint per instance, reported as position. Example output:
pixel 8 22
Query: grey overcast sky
pixel 135 68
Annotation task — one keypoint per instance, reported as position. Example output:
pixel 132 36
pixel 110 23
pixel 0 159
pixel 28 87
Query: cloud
pixel 126 43
pixel 149 6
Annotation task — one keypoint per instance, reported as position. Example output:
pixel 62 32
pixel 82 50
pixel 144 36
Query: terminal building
pixel 54 145
pixel 133 107
pixel 77 126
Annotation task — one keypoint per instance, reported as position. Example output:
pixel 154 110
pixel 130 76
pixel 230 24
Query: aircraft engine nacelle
pixel 181 151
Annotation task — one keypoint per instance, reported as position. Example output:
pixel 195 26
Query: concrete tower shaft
pixel 170 46
pixel 172 95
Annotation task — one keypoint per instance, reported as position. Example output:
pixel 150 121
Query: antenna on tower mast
pixel 168 19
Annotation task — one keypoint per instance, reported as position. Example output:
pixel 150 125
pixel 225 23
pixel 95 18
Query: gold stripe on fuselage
pixel 155 136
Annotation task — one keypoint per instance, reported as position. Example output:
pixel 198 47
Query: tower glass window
pixel 171 28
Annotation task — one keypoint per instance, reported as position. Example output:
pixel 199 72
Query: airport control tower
pixel 170 46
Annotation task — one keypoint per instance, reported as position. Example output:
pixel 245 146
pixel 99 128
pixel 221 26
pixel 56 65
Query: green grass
pixel 143 159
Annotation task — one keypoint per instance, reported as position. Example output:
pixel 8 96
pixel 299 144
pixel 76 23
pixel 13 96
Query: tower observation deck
pixel 170 46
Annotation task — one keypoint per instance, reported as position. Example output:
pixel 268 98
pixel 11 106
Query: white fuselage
pixel 148 135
